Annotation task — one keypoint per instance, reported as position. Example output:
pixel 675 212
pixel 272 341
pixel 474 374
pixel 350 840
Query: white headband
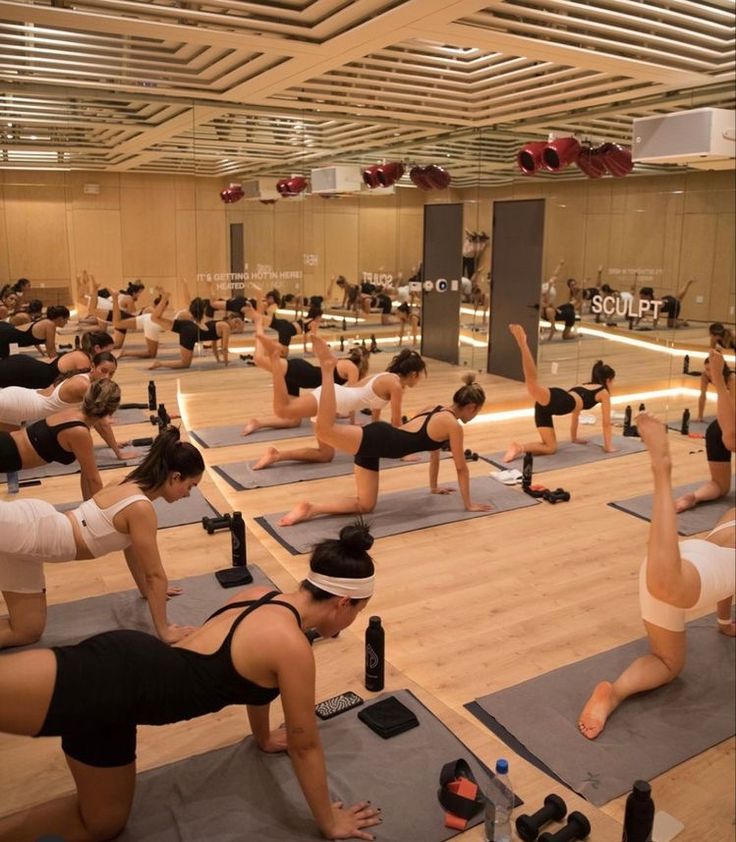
pixel 354 588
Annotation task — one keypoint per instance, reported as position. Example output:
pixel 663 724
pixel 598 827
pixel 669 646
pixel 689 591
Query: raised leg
pixel 539 393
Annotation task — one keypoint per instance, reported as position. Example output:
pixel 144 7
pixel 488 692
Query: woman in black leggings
pixel 32 373
pixel 41 332
pixel 554 401
pixel 191 331
pixel 249 652
pixel 427 431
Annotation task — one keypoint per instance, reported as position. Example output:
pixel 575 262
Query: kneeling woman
pixel 192 330
pixel 553 401
pixel 120 517
pixel 250 651
pixel 427 431
pixel 677 578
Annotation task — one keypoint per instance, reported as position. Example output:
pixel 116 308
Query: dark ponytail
pixel 134 287
pixel 407 362
pixel 167 455
pixel 20 285
pixel 471 394
pixel 601 373
pixel 198 308
pixel 93 339
pixel 361 359
pixel 57 312
pixel 104 357
pixel 345 557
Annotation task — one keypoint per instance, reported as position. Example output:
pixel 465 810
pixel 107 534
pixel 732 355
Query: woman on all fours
pixel 41 332
pixel 192 330
pixel 553 401
pixel 677 577
pixel 249 652
pixel 119 517
pixel 427 431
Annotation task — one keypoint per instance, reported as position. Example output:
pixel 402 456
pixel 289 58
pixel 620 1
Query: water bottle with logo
pixel 374 655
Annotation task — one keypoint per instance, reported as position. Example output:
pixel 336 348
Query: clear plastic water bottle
pixel 13 483
pixel 499 805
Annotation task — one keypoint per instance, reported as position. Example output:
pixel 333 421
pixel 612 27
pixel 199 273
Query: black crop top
pixel 45 440
pixel 586 395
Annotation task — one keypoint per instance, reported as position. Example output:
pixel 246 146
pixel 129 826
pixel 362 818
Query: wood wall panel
pixel 147 221
pixel 97 245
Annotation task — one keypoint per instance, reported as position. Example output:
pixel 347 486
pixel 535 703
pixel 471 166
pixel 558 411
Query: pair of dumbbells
pixel 554 810
pixel 559 495
pixel 215 524
pixel 471 455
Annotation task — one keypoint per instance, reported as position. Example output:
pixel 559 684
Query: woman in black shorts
pixel 427 431
pixel 192 330
pixel 41 332
pixel 553 401
pixel 718 444
pixel 249 652
pixel 288 329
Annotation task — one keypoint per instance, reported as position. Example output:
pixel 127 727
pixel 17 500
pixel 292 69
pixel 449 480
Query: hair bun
pixel 356 537
pixel 469 378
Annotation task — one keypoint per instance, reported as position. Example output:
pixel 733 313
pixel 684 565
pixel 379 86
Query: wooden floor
pixel 468 608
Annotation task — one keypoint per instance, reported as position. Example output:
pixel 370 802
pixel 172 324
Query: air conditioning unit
pixel 337 179
pixel 260 188
pixel 700 136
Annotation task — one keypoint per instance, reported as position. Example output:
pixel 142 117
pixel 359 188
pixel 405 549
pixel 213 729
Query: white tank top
pixel 351 398
pixel 19 405
pixel 98 531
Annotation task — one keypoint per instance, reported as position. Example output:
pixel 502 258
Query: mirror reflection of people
pixel 252 650
pixel 721 337
pixel 670 305
pixel 677 577
pixel 551 401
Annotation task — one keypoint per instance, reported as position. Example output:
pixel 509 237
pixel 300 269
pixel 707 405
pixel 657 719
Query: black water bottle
pixel 344 323
pixel 163 416
pixel 639 815
pixel 642 408
pixel 237 535
pixel 363 345
pixel 685 427
pixel 686 364
pixel 527 471
pixel 151 395
pixel 627 420
pixel 77 342
pixel 374 650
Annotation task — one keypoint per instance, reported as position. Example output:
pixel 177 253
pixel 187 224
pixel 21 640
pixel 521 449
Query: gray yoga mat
pixel 242 477
pixel 131 416
pixel 104 457
pixel 187 510
pixel 240 793
pixel 697 427
pixel 703 517
pixel 570 455
pixel 649 734
pixel 198 364
pixel 230 434
pixel 402 511
pixel 70 622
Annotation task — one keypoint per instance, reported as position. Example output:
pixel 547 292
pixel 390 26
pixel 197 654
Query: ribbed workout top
pixel 95 523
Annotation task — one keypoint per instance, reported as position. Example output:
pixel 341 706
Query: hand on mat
pixel 442 490
pixel 729 631
pixel 479 507
pixel 610 449
pixel 172 591
pixel 347 821
pixel 174 633
pixel 276 741
pixel 580 441
pixel 128 453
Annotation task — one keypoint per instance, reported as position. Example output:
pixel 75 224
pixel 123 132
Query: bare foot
pixel 302 511
pixel 514 451
pixel 253 425
pixel 519 334
pixel 598 708
pixel 269 457
pixel 270 346
pixel 654 435
pixel 154 365
pixel 687 501
pixel 323 352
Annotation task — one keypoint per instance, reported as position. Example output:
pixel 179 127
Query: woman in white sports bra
pixel 19 405
pixel 678 578
pixel 375 392
pixel 120 517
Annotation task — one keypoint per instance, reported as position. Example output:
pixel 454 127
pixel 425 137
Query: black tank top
pixel 421 437
pixel 586 395
pixel 45 440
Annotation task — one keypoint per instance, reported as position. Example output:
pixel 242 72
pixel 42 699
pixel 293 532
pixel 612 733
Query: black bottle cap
pixel 641 790
pixel 374 621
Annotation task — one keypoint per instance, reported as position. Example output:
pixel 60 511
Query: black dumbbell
pixel 554 810
pixel 133 406
pixel 577 827
pixel 559 495
pixel 471 455
pixel 145 442
pixel 404 419
pixel 214 524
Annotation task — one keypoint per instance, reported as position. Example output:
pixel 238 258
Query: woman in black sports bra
pixel 64 437
pixel 551 401
pixel 94 694
pixel 427 431
pixel 42 332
